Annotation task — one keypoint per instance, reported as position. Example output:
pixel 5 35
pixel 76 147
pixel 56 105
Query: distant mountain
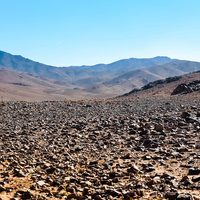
pixel 71 74
pixel 128 64
pixel 175 68
pixel 133 76
pixel 140 77
pixel 88 82
pixel 19 63
pixel 25 86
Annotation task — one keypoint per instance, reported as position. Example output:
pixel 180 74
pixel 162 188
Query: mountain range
pixel 101 80
pixel 71 74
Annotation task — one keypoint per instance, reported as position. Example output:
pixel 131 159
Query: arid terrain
pixel 99 100
pixel 24 79
pixel 145 145
pixel 16 86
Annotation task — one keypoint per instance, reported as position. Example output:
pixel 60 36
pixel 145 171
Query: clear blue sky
pixel 87 32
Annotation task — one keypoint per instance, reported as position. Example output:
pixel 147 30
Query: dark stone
pixel 113 193
pixel 149 169
pixel 171 195
pixel 185 114
pixel 187 88
pixel 196 178
pixel 129 194
pixel 71 196
pixel 94 162
pixel 180 89
pixel 2 189
pixel 51 170
pixel 191 119
pixel 193 171
pixel 24 194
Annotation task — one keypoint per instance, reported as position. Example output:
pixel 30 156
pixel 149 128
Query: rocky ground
pixel 124 148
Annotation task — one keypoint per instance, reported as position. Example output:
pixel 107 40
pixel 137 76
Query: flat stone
pixel 196 178
pixel 41 183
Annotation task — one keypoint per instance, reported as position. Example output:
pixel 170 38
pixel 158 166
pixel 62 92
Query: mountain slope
pixel 175 68
pixel 140 77
pixel 26 79
pixel 92 81
pixel 25 86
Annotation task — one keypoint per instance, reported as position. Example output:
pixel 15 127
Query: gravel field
pixel 123 148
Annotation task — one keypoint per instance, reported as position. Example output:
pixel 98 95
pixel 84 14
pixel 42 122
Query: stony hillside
pixel 168 86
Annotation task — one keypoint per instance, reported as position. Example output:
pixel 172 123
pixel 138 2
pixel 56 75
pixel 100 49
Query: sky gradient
pixel 87 32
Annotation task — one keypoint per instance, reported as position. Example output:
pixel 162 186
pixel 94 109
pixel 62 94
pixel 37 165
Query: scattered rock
pixel 117 149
